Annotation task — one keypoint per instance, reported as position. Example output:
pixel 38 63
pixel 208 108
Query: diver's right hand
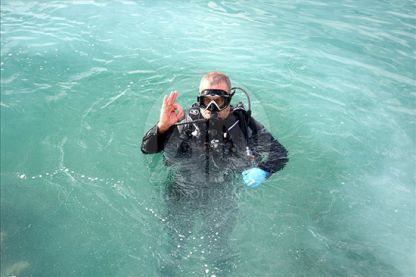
pixel 170 113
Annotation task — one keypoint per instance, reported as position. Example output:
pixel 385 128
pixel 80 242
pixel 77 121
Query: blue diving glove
pixel 253 177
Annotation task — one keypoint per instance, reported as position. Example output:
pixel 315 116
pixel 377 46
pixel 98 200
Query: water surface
pixel 82 81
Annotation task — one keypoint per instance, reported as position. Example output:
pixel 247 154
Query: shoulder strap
pixel 245 120
pixel 190 115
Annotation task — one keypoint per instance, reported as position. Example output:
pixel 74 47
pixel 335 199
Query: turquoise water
pixel 82 81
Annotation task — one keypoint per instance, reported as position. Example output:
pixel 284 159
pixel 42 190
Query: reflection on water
pixel 214 210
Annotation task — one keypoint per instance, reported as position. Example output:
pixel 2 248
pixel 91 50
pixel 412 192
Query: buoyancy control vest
pixel 239 125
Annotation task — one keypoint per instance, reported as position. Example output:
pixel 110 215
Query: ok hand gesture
pixel 170 113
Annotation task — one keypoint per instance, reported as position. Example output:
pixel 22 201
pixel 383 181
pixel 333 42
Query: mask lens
pixel 220 101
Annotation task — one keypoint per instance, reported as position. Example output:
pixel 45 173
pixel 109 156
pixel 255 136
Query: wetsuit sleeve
pixel 271 155
pixel 153 141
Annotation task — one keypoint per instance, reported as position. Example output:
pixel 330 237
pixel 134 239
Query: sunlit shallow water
pixel 82 81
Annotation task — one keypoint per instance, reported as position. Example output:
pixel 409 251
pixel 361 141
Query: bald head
pixel 215 80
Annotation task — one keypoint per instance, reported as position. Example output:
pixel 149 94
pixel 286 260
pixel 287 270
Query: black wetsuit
pixel 218 146
pixel 205 158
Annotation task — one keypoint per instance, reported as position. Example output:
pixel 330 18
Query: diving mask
pixel 214 100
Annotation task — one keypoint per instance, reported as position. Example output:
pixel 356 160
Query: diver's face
pixel 223 86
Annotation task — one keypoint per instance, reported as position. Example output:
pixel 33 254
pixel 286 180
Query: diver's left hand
pixel 253 177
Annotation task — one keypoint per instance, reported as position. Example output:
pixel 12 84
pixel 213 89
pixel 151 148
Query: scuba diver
pixel 213 125
pixel 207 148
